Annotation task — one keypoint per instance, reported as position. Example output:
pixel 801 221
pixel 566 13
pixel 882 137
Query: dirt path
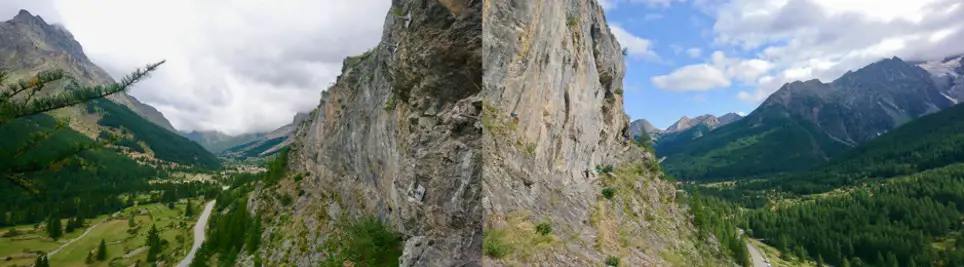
pixel 52 252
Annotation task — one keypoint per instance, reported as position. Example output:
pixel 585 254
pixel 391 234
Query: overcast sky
pixel 237 66
pixel 693 57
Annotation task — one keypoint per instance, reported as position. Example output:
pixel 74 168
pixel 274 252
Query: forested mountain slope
pixel 804 124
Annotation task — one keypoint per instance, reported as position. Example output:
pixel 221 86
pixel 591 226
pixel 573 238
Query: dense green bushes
pixel 365 241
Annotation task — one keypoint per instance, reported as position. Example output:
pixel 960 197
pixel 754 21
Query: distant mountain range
pixel 805 123
pixel 266 144
pixel 685 123
pixel 28 45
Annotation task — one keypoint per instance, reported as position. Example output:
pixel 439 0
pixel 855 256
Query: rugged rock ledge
pixel 553 128
pixel 397 137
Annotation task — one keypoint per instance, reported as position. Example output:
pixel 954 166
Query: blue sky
pixel 680 36
pixel 695 57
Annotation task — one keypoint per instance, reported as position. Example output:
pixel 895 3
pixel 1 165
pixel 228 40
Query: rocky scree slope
pixel 553 127
pixel 396 137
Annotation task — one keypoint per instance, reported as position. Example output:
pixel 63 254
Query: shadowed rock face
pixel 552 115
pixel 396 137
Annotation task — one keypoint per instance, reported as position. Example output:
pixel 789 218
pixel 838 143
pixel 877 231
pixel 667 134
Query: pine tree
pixel 102 250
pixel 188 211
pixel 70 226
pixel 54 227
pixel 154 242
pixel 41 261
pixel 254 236
pixel 25 98
pixel 130 222
pixel 90 257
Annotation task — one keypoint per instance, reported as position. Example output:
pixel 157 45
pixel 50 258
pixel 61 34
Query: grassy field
pixel 174 227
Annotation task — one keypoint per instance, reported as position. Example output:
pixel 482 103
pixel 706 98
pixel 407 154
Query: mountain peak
pixel 26 16
pixel 23 14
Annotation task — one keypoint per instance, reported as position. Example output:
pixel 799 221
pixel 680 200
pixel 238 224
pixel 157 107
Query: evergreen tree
pixel 25 98
pixel 90 257
pixel 41 261
pixel 154 242
pixel 254 236
pixel 130 222
pixel 102 250
pixel 70 226
pixel 188 211
pixel 54 227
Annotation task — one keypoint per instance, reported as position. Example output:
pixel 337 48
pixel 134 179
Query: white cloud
pixel 694 52
pixel 234 66
pixel 741 113
pixel 806 39
pixel 657 3
pixel 636 46
pixel 611 4
pixel 718 69
pixel 699 77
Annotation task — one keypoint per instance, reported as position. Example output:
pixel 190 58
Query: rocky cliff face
pixel 685 123
pixel 554 126
pixel 29 45
pixel 863 104
pixel 729 118
pixel 396 137
pixel 948 74
pixel 638 126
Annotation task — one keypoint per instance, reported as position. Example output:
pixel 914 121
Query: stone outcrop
pixel 554 126
pixel 396 137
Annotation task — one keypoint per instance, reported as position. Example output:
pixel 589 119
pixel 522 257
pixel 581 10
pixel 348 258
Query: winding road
pixel 199 228
pixel 755 255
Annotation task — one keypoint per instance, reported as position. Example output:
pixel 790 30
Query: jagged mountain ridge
pixel 800 118
pixel 553 122
pixel 217 141
pixel 637 127
pixel 262 144
pixel 396 137
pixel 948 74
pixel 28 45
pixel 683 124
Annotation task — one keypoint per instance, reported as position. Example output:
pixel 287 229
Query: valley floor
pixel 123 248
